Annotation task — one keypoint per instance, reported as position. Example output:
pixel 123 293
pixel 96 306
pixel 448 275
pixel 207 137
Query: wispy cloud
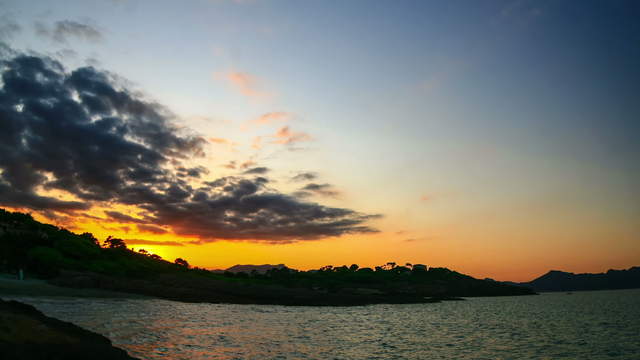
pixel 256 171
pixel 152 242
pixel 233 164
pixel 63 31
pixel 246 164
pixel 417 239
pixel 151 229
pixel 229 144
pixel 326 190
pixel 268 118
pixel 285 136
pixel 256 143
pixel 123 218
pixel 216 140
pixel 304 176
pixel 245 83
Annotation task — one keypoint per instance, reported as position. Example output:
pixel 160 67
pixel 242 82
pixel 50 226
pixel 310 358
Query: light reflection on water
pixel 585 325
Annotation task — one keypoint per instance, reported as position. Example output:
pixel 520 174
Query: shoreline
pixel 14 288
pixel 41 288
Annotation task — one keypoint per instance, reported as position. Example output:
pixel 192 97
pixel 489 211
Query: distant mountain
pixel 260 269
pixel 556 280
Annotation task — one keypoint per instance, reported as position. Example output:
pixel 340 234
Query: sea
pixel 578 325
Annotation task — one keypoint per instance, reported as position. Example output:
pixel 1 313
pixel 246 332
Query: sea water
pixel 581 325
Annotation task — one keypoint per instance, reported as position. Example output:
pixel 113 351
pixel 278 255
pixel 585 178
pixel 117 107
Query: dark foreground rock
pixel 26 333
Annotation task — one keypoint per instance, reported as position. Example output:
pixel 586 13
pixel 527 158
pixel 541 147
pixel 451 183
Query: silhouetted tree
pixel 389 266
pixel 89 236
pixel 419 268
pixel 181 262
pixel 354 267
pixel 143 252
pixel 115 243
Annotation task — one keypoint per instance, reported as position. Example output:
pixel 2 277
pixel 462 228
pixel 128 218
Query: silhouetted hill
pixel 260 269
pixel 80 261
pixel 556 280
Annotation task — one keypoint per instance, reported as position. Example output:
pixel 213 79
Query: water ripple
pixel 593 325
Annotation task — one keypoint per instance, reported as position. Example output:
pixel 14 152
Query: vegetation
pixel 50 252
pixel 44 250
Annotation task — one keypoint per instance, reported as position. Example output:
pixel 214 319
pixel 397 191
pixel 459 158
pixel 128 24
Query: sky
pixel 495 138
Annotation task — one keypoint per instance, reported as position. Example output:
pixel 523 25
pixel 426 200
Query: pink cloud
pixel 247 164
pixel 244 83
pixel 216 140
pixel 268 118
pixel 285 136
pixel 257 143
pixel 231 145
pixel 230 165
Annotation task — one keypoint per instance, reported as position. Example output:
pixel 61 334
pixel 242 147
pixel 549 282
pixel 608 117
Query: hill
pixel 556 280
pixel 260 269
pixel 80 261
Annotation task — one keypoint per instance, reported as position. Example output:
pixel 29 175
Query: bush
pixel 44 261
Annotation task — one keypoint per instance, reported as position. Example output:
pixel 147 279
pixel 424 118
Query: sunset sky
pixel 497 138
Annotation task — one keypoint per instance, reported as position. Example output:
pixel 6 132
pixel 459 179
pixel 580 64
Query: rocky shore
pixel 26 333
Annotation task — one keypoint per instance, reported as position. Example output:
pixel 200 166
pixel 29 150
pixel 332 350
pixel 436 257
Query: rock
pixel 26 333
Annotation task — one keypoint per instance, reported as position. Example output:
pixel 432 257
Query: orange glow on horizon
pixel 456 249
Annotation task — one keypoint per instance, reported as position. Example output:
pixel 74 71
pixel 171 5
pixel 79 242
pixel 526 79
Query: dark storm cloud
pixel 62 31
pixel 305 176
pixel 256 171
pixel 245 210
pixel 123 218
pixel 83 133
pixel 195 172
pixel 76 132
pixel 151 229
pixel 16 198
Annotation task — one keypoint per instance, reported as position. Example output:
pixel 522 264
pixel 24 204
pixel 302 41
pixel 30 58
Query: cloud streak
pixel 305 176
pixel 326 190
pixel 245 83
pixel 267 119
pixel 152 242
pixel 285 136
pixel 261 170
pixel 67 30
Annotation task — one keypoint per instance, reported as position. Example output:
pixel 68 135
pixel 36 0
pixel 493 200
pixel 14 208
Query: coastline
pixel 36 288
